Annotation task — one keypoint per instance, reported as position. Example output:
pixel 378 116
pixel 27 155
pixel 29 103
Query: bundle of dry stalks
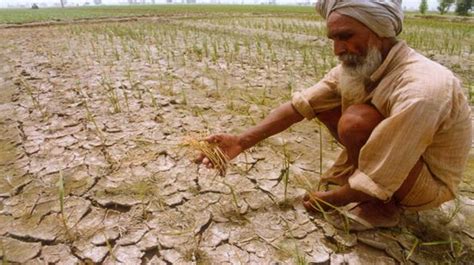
pixel 218 159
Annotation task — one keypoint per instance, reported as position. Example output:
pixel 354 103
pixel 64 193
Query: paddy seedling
pixel 109 247
pixel 234 196
pixel 34 98
pixel 153 102
pixel 91 118
pixel 3 254
pixel 321 153
pixel 455 248
pixel 62 213
pixel 112 95
pixel 285 171
pixel 299 258
pixel 455 211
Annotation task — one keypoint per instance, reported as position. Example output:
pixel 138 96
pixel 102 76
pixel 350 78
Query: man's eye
pixel 345 36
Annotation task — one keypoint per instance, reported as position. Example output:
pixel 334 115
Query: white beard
pixel 356 74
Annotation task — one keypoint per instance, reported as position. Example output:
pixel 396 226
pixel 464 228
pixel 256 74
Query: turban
pixel 385 18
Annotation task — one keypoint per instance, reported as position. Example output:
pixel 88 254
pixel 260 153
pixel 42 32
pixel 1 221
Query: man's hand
pixel 229 145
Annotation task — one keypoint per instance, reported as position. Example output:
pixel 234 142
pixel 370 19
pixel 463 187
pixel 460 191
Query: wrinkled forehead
pixel 338 20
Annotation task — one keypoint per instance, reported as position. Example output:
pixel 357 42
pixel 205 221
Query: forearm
pixel 277 121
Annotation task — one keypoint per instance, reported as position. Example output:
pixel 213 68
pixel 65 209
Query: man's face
pixel 352 39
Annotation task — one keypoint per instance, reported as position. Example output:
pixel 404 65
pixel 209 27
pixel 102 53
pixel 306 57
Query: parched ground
pixel 92 119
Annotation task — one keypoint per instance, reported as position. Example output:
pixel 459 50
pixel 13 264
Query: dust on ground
pixel 111 131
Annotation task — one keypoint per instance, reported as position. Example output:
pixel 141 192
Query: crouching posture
pixel 403 119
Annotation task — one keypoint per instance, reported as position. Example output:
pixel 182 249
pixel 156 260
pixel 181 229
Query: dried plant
pixel 211 150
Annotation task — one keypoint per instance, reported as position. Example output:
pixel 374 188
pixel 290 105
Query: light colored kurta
pixel 426 115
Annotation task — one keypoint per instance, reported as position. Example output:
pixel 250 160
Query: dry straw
pixel 211 150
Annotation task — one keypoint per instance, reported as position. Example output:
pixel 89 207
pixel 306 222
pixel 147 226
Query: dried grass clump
pixel 211 150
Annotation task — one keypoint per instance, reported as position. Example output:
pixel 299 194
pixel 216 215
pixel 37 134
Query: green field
pixel 65 14
pixel 17 16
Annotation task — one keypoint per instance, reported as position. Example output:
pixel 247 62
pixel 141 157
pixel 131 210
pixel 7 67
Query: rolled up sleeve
pixel 301 104
pixel 320 97
pixel 360 181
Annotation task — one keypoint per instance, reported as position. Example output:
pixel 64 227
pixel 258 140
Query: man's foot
pixel 318 201
pixel 367 215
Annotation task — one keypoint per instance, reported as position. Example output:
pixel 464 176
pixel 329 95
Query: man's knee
pixel 330 119
pixel 357 123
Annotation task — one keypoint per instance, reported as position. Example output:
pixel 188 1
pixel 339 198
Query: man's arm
pixel 277 121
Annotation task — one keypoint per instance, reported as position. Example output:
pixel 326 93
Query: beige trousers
pixel 428 192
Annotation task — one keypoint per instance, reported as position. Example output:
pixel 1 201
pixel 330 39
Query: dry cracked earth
pixel 132 195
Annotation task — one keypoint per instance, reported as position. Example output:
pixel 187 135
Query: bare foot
pixel 325 200
pixel 365 216
pixel 377 213
pixel 318 201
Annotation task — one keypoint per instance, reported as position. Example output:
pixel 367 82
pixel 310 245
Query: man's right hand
pixel 229 145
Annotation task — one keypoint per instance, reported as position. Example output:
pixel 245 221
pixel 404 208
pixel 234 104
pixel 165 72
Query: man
pixel 403 119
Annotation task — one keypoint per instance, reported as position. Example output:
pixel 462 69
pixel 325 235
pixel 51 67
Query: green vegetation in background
pixel 17 16
pixel 26 15
pixel 443 36
pixel 431 34
pixel 423 6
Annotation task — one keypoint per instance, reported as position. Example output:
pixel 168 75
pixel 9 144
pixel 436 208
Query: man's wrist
pixel 244 142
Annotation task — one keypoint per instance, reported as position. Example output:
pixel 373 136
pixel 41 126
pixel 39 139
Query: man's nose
pixel 339 48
